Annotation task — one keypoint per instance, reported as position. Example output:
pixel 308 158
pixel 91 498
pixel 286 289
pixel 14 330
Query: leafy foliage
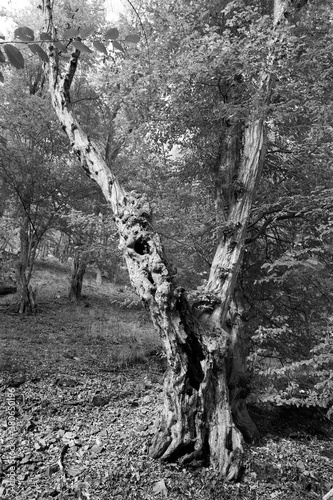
pixel 95 235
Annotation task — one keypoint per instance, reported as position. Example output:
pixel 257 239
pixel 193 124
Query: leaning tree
pixel 202 342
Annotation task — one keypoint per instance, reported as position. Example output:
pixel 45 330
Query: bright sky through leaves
pixel 114 7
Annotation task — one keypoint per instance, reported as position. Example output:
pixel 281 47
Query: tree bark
pixel 26 296
pixel 99 278
pixel 196 421
pixel 227 168
pixel 79 268
pixel 238 378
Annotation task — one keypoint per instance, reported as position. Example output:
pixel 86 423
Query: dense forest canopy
pixel 207 128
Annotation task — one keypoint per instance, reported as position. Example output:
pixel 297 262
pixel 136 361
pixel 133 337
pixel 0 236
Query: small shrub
pixel 306 382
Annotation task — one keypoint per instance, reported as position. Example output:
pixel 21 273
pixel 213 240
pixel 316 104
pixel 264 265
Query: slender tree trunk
pixel 98 277
pixel 79 268
pixel 203 357
pixel 26 296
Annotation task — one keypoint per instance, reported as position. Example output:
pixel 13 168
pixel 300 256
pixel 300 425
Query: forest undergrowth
pixel 81 390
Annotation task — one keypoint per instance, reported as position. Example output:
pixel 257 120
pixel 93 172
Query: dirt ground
pixel 81 389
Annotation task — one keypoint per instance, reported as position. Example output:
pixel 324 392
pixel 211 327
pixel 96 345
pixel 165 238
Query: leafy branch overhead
pixel 72 39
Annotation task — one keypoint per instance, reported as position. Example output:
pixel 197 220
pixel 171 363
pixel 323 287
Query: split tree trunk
pixel 196 421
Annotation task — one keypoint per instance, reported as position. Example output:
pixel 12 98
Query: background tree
pixel 33 170
pixel 92 239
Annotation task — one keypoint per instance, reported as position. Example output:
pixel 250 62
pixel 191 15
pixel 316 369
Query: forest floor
pixel 81 389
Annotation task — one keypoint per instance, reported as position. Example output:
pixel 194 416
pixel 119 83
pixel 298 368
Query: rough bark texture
pixel 196 421
pixel 79 269
pixel 228 257
pixel 238 378
pixel 242 167
pixel 26 296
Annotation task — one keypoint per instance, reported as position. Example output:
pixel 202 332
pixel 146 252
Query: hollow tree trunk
pixel 196 421
pixel 79 268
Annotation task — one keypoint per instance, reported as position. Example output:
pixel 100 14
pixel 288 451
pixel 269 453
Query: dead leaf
pixel 68 436
pixel 300 466
pixel 100 400
pixel 40 444
pixel 97 448
pixel 25 459
pixel 160 487
pixel 75 471
pixel 51 469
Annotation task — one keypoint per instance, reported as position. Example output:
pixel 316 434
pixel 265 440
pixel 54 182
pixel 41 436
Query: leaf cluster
pixel 71 39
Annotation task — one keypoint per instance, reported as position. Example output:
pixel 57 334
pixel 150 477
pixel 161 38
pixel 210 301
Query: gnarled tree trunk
pixel 203 356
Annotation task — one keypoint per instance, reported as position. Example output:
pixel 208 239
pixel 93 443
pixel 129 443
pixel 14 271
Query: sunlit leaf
pixel 97 449
pixel 24 33
pixel 2 57
pixel 160 487
pixel 45 36
pixel 14 56
pixel 87 31
pixel 71 33
pixel 36 49
pixel 132 38
pixel 60 46
pixel 100 47
pixel 112 34
pixel 117 45
pixel 81 47
pixel 75 470
pixel 1 78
